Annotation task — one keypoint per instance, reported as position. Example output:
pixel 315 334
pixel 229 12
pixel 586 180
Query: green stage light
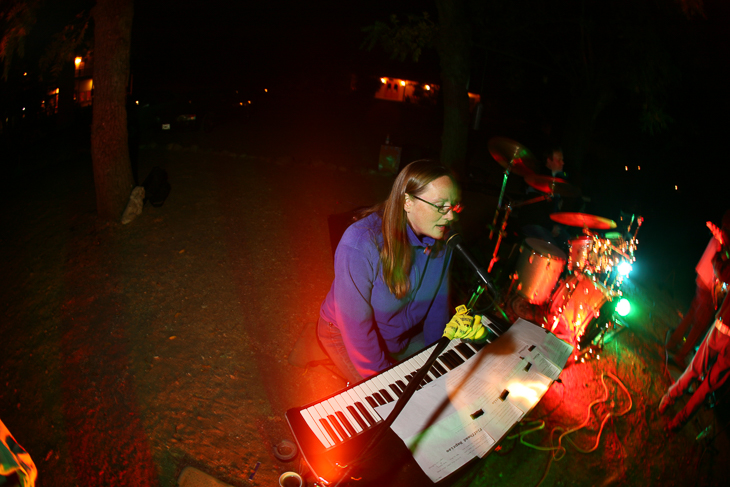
pixel 623 307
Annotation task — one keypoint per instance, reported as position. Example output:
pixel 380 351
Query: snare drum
pixel 538 269
pixel 575 304
pixel 580 252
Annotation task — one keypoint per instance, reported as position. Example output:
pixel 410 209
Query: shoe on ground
pixel 665 403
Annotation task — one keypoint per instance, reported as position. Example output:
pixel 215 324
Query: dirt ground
pixel 133 351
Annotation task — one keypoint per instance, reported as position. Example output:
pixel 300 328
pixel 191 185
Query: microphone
pixel 454 242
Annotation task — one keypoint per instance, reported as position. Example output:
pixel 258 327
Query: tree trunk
pixel 109 149
pixel 65 117
pixel 453 48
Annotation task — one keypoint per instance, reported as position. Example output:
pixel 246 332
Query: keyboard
pixel 333 431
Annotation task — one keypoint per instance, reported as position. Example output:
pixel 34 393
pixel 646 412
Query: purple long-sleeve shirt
pixel 369 317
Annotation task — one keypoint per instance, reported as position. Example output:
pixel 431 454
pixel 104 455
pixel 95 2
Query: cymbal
pixel 551 185
pixel 583 220
pixel 511 155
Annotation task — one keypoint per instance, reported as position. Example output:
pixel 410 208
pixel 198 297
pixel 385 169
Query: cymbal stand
pixel 639 222
pixel 502 233
pixel 501 196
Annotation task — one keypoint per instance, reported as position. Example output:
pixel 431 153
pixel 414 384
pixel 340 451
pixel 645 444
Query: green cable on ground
pixel 559 451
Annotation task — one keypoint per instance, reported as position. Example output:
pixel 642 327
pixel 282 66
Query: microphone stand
pixel 454 242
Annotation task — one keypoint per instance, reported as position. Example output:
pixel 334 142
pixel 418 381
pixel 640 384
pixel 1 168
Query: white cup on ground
pixel 291 479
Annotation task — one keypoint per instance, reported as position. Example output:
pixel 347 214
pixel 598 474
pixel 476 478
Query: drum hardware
pixel 578 252
pixel 551 185
pixel 582 305
pixel 502 232
pixel 582 309
pixel 500 236
pixel 639 221
pixel 513 158
pixel 583 220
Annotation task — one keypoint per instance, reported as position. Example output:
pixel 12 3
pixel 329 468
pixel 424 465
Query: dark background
pixel 309 48
pixel 217 54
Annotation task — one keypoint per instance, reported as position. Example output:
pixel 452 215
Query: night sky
pixel 191 44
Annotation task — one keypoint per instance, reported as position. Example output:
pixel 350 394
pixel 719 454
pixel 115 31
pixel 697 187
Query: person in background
pixel 711 364
pixel 391 283
pixel 535 217
pixel 699 317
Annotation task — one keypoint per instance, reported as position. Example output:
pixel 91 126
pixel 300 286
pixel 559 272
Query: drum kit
pixel 572 294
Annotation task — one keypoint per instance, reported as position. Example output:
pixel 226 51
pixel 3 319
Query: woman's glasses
pixel 442 209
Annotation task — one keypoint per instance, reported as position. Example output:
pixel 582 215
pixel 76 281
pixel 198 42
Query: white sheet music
pixel 556 350
pixel 463 414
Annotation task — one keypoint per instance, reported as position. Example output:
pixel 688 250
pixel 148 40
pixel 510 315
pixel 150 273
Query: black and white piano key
pixel 329 418
pixel 363 391
pixel 465 350
pixel 319 416
pixel 352 412
pixel 367 414
pixel 343 415
pixel 316 428
pixel 351 419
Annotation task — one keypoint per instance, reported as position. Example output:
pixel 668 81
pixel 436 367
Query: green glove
pixel 464 326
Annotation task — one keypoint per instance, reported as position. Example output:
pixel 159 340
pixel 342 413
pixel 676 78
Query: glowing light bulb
pixel 623 307
pixel 624 268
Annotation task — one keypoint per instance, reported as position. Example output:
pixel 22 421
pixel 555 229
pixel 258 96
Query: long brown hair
pixel 396 253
